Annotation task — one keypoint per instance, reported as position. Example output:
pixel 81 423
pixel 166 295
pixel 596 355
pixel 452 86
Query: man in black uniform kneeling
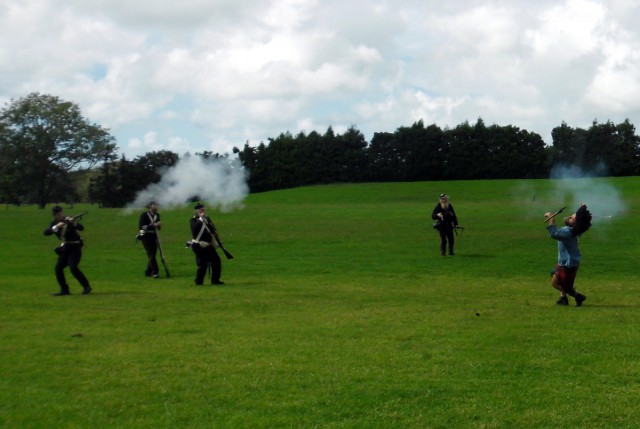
pixel 69 252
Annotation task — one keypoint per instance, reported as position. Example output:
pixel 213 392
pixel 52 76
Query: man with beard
pixel 446 221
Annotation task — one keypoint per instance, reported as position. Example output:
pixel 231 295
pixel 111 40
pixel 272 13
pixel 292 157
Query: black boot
pixel 62 292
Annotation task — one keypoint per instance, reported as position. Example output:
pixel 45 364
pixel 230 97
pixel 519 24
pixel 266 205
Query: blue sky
pixel 203 75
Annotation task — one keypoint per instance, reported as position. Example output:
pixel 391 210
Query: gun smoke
pixel 221 183
pixel 576 186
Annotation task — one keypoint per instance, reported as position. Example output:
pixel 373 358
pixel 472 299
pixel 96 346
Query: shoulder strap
pixel 204 226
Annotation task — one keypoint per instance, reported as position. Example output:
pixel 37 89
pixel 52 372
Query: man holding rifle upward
pixel 204 243
pixel 564 273
pixel 70 250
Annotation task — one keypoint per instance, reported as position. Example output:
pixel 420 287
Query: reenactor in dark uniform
pixel 446 222
pixel 69 252
pixel 148 225
pixel 204 243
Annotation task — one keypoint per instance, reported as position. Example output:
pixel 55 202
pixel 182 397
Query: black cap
pixel 199 206
pixel 56 209
pixel 443 195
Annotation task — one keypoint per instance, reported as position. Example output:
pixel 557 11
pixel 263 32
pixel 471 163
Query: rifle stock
pixel 225 251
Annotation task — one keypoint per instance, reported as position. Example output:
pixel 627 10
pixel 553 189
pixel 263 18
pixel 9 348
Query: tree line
pixel 429 153
pixel 49 152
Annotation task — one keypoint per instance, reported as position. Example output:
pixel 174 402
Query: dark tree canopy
pixel 45 142
pixel 120 181
pixel 42 140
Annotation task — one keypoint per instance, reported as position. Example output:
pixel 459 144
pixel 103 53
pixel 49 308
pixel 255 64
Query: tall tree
pixel 48 138
pixel 118 182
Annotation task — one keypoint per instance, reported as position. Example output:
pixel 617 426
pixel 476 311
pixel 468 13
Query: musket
pixel 547 219
pixel 217 238
pixel 226 252
pixel 164 261
pixel 76 217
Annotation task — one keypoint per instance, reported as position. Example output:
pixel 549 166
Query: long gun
pixel 215 236
pixel 226 252
pixel 164 261
pixel 75 217
pixel 547 219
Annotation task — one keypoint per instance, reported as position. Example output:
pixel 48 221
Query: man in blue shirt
pixel 564 272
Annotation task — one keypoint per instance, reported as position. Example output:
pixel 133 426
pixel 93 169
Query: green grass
pixel 338 312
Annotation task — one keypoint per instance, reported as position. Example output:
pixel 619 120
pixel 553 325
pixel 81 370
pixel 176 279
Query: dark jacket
pixel 71 234
pixel 146 221
pixel 449 219
pixel 209 234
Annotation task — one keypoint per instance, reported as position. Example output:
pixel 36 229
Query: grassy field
pixel 338 312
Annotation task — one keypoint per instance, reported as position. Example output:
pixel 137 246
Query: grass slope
pixel 338 312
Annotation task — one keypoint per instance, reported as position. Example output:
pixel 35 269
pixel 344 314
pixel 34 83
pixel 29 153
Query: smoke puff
pixel 220 183
pixel 602 198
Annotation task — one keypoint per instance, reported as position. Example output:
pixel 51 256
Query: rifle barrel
pixel 554 215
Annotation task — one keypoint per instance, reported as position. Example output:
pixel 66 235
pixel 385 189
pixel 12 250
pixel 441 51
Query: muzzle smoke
pixel 575 185
pixel 222 184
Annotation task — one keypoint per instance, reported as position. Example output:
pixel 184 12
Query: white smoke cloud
pixel 221 184
pixel 579 186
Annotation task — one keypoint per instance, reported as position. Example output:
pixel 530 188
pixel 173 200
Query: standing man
pixel 69 252
pixel 446 221
pixel 204 243
pixel 564 273
pixel 148 225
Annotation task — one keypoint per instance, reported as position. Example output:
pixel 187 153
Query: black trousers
pixel 150 244
pixel 446 234
pixel 207 257
pixel 70 257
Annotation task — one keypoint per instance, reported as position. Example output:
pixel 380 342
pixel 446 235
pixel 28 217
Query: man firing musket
pixel 564 273
pixel 70 249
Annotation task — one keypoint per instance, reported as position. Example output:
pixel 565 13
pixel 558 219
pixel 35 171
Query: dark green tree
pixel 569 145
pixel 385 161
pixel 120 181
pixel 42 140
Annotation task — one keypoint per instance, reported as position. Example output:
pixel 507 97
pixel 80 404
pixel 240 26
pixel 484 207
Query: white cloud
pixel 200 75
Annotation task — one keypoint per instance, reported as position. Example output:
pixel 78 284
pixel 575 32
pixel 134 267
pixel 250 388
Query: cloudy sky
pixel 196 75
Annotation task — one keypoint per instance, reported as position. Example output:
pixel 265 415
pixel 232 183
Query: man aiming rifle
pixel 564 273
pixel 70 250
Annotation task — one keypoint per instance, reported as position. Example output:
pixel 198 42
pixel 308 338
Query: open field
pixel 338 312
